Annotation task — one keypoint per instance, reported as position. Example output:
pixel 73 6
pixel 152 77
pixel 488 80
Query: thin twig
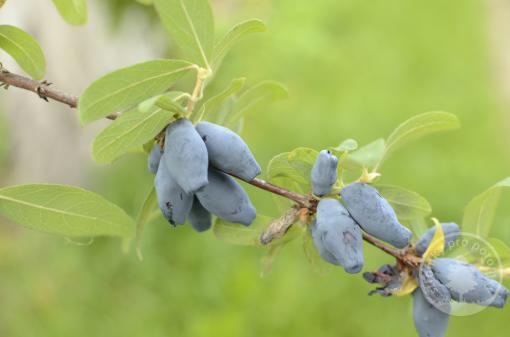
pixel 44 91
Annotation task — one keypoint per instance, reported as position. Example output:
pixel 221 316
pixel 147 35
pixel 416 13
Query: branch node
pixel 41 90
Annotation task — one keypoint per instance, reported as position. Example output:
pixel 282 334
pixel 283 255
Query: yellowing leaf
pixel 436 246
pixel 408 286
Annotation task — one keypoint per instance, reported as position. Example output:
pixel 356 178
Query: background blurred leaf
pixel 212 110
pixel 479 213
pixel 24 49
pixel 145 2
pixel 64 210
pixel 295 165
pixel 239 234
pixel 147 211
pixel 254 98
pixel 191 24
pixel 366 156
pixel 313 257
pixel 268 259
pixel 73 11
pixel 233 35
pixel 2 2
pixel 347 145
pixel 419 126
pixel 129 86
pixel 407 204
pixel 130 131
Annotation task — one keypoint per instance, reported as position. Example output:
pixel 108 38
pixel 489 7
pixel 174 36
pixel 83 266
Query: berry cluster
pixel 336 230
pixel 337 235
pixel 192 174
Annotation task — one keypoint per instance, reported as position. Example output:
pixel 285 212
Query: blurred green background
pixel 354 69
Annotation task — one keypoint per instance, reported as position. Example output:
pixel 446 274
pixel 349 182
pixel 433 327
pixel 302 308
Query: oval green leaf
pixel 479 213
pixel 241 235
pixel 24 49
pixel 261 94
pixel 407 204
pixel 212 109
pixel 191 24
pixel 74 12
pixel 132 130
pixel 124 88
pixel 417 127
pixel 64 210
pixel 233 35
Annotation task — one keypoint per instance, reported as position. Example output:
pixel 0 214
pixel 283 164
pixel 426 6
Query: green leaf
pixel 132 130
pixel 73 11
pixel 295 165
pixel 313 257
pixel 24 49
pixel 65 210
pixel 417 127
pixel 145 2
pixel 407 204
pixel 168 101
pixel 211 109
pixel 268 259
pixel 347 145
pixel 366 156
pixel 239 234
pixel 257 96
pixel 191 24
pixel 233 35
pixel 149 207
pixel 479 213
pixel 124 88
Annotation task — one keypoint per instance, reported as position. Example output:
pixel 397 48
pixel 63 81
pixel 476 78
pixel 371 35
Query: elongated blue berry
pixel 324 173
pixel 467 284
pixel 434 291
pixel 227 151
pixel 199 217
pixel 154 158
pixel 451 233
pixel 186 155
pixel 173 201
pixel 374 214
pixel 337 237
pixel 225 198
pixel 428 320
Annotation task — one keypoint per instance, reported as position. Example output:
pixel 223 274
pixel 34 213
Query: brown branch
pixel 43 90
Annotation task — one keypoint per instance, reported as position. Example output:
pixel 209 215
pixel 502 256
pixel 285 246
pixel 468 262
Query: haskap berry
pixel 186 155
pixel 324 173
pixel 337 237
pixel 173 201
pixel 226 199
pixel 374 214
pixel 199 218
pixel 154 158
pixel 451 233
pixel 227 151
pixel 428 320
pixel 468 284
pixel 434 291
